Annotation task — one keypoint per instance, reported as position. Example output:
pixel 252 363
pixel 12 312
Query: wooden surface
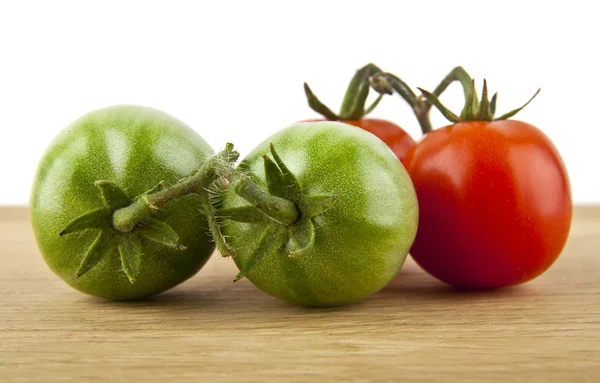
pixel 209 329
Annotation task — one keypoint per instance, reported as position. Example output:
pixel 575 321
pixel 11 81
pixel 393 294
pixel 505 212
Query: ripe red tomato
pixel 494 200
pixel 393 135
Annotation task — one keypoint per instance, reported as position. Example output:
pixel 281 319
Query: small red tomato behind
pixel 494 198
pixel 353 112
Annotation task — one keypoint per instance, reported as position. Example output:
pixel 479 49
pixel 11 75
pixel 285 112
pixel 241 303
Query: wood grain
pixel 209 329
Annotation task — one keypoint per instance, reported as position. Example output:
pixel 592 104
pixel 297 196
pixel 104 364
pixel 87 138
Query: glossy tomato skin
pixel 495 203
pixel 393 135
pixel 135 147
pixel 361 242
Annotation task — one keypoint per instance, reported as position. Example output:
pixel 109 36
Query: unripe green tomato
pixel 360 243
pixel 135 148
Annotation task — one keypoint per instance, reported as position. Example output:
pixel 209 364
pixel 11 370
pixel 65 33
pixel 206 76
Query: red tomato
pixel 393 135
pixel 495 203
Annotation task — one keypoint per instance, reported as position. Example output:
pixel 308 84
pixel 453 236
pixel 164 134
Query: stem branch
pixel 125 219
pixel 423 106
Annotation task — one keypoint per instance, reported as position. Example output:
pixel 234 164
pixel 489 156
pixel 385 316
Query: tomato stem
pixel 355 98
pixel 456 74
pixel 421 105
pixel 373 105
pixel 126 219
pixel 217 172
pixel 316 105
pixel 353 105
pixel 279 209
pixel 383 82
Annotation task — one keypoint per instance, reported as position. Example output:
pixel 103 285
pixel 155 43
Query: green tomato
pixel 99 163
pixel 349 249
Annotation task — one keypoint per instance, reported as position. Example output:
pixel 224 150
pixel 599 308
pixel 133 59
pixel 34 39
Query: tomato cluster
pixel 494 197
pixel 321 213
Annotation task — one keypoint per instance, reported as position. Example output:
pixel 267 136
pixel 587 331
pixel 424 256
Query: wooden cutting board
pixel 209 329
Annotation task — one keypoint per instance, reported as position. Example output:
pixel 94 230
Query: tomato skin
pixel 361 242
pixel 495 203
pixel 135 147
pixel 393 135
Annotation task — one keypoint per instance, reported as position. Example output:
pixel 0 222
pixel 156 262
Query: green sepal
pixel 515 111
pixel 302 238
pixel 279 184
pixel 158 231
pixel 289 179
pixel 317 204
pixel 373 105
pixel 113 196
pixel 271 240
pixel 315 104
pixel 474 98
pixel 95 219
pixel 102 245
pixel 493 104
pixel 246 214
pixel 130 249
pixel 432 98
pixel 485 106
pixel 471 103
pixel 274 178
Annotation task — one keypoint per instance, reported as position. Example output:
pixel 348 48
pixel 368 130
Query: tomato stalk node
pixel 126 219
pixel 384 82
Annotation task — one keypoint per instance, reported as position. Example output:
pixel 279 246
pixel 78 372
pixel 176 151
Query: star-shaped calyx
pixel 108 239
pixel 285 211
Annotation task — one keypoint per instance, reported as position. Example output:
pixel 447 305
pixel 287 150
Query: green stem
pixel 315 104
pixel 279 209
pixel 423 106
pixel 126 219
pixel 356 95
pixel 373 105
pixel 382 82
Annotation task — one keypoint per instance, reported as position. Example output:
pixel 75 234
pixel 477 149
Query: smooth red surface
pixel 495 203
pixel 393 135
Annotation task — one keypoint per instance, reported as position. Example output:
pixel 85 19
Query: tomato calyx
pixel 421 106
pixel 124 221
pixel 286 212
pixel 109 239
pixel 353 105
pixel 475 109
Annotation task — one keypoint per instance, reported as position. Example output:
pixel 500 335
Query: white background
pixel 234 70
